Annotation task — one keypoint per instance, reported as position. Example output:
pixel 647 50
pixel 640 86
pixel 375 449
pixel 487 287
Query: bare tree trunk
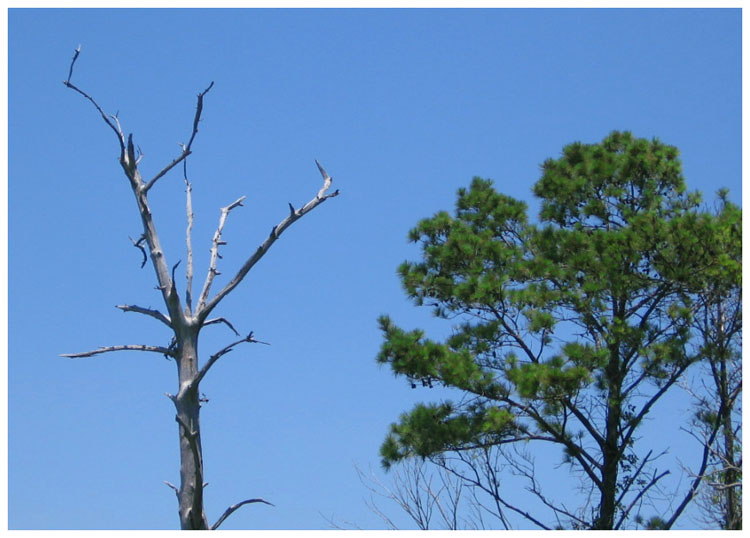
pixel 185 323
pixel 187 404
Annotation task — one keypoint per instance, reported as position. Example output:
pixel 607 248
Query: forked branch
pixel 185 149
pixel 128 161
pixel 205 308
pixel 216 356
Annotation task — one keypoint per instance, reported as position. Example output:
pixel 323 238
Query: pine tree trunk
pixel 611 449
pixel 606 517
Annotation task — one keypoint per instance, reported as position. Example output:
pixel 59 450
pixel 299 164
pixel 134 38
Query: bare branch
pixel 188 241
pixel 117 123
pixel 174 267
pixel 139 245
pixel 326 180
pixel 626 487
pixel 528 470
pixel 640 494
pixel 215 243
pixel 198 110
pixel 129 166
pixel 216 356
pixel 186 149
pixel 176 491
pixel 118 132
pixel 73 61
pixel 131 150
pixel 134 347
pixel 147 311
pixel 205 308
pixel 221 320
pixel 700 475
pixel 333 525
pixel 492 490
pixel 228 512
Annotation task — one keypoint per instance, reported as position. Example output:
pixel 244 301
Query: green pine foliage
pixel 568 330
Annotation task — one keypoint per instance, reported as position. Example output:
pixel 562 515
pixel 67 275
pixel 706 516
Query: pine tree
pixel 569 331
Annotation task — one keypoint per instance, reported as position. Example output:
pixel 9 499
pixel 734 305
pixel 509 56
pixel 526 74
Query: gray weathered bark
pixel 185 323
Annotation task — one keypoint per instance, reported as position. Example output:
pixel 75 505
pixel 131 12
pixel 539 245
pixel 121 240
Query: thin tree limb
pixel 478 483
pixel 176 491
pixel 640 494
pixel 700 475
pixel 629 482
pixel 215 243
pixel 139 245
pixel 188 241
pixel 205 308
pixel 73 61
pixel 327 180
pixel 228 512
pixel 186 149
pixel 216 356
pixel 173 288
pixel 528 471
pixel 221 320
pixel 118 132
pixel 636 420
pixel 147 311
pixel 134 347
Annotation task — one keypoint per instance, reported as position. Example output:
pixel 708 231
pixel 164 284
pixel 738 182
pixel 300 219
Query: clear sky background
pixel 402 107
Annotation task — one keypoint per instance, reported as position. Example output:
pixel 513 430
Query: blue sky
pixel 402 107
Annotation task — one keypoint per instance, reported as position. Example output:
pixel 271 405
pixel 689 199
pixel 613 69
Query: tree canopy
pixel 567 331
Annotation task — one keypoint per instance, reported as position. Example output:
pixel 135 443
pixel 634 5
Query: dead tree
pixel 186 319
